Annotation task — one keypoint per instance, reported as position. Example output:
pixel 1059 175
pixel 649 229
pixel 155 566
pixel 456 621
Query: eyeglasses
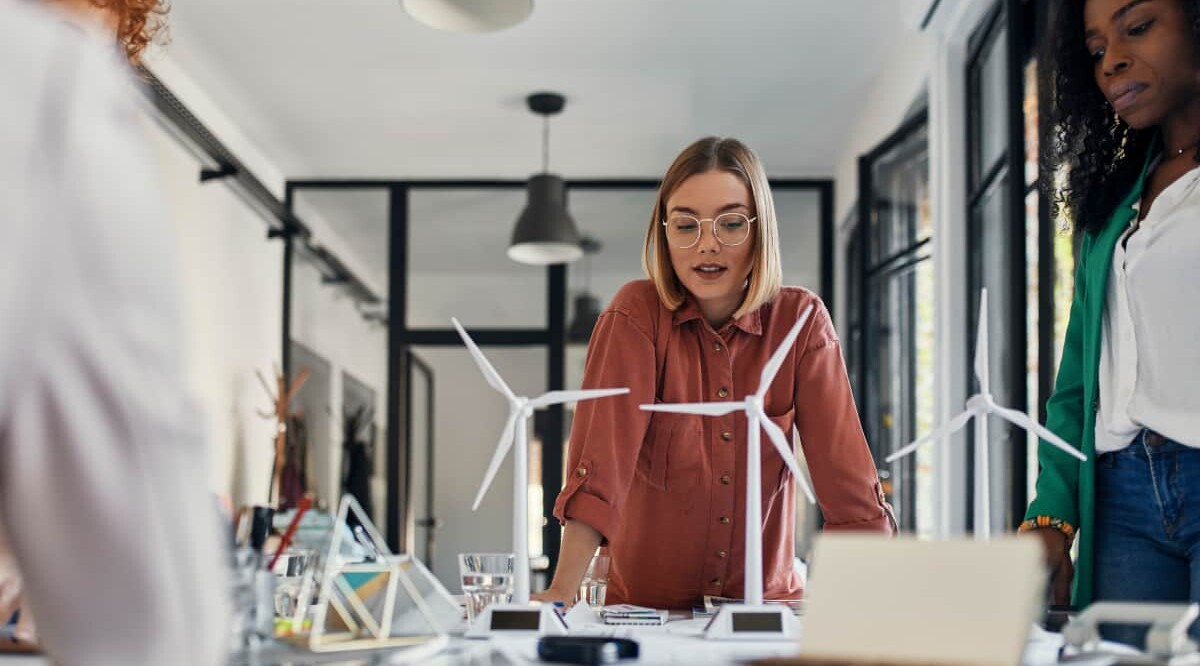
pixel 730 229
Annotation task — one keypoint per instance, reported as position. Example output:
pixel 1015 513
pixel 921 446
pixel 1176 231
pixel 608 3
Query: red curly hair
pixel 139 23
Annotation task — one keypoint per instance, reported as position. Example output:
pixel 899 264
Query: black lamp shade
pixel 587 312
pixel 545 233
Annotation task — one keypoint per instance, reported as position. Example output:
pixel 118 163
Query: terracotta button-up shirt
pixel 667 491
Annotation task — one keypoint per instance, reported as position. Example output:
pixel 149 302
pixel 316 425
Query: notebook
pixel 628 614
pixel 872 599
pixel 712 604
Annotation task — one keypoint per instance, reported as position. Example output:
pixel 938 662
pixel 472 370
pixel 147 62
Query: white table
pixel 678 642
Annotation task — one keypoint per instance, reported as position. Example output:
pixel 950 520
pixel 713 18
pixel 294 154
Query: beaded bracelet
pixel 1039 522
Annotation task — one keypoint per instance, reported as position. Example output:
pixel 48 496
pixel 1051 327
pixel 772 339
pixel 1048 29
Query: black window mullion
pixel 1007 22
pixel 907 253
pixel 1018 261
pixel 995 172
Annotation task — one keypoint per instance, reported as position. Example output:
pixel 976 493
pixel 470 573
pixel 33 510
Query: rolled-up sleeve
pixel 607 434
pixel 843 471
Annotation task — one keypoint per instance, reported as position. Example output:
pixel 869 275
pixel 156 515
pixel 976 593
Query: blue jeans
pixel 1147 527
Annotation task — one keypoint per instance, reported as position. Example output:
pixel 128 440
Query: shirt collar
pixel 1134 199
pixel 751 322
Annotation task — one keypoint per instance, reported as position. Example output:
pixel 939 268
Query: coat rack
pixel 281 398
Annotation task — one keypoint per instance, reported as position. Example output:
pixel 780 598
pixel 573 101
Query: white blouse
pixel 1150 343
pixel 103 492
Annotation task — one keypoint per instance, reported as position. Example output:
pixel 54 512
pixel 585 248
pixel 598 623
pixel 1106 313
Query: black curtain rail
pixel 180 121
pixel 343 275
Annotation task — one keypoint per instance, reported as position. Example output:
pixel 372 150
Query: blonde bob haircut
pixel 707 154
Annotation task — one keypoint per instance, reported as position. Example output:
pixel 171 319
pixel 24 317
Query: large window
pixel 1014 249
pixel 891 294
pixel 996 238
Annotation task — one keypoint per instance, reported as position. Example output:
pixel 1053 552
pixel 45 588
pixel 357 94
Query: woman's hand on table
pixel 552 595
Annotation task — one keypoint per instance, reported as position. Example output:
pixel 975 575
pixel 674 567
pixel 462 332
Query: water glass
pixel 293 587
pixel 487 578
pixel 594 587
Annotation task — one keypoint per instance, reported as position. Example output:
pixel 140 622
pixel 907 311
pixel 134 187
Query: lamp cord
pixel 545 144
pixel 587 272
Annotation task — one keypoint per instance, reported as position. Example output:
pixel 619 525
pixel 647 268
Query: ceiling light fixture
pixel 545 233
pixel 469 15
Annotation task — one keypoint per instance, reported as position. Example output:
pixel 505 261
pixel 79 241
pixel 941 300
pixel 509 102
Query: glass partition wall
pixel 443 247
pixel 340 343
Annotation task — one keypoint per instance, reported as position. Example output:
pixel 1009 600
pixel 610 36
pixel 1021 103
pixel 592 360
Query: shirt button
pixel 721 554
pixel 722 392
pixel 717 346
pixel 582 471
pixel 725 479
pixel 724 520
pixel 727 436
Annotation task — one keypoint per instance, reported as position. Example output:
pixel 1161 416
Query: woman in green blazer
pixel 1124 82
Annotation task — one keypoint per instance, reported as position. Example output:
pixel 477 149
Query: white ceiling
pixel 356 88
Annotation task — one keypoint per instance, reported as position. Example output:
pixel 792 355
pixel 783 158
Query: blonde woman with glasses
pixel 664 491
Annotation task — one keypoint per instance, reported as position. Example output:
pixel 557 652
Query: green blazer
pixel 1065 486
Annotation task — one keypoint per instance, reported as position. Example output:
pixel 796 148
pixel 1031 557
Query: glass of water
pixel 594 587
pixel 487 578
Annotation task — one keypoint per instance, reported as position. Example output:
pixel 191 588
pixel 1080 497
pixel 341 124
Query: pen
pixel 305 502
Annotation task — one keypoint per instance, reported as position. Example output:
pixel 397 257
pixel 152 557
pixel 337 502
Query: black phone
pixel 588 650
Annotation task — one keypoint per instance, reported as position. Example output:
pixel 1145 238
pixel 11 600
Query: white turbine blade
pixel 784 447
pixel 502 447
pixel 776 360
pixel 949 428
pixel 705 408
pixel 556 397
pixel 1022 420
pixel 489 373
pixel 981 346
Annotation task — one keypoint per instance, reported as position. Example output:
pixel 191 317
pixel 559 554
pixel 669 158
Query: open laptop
pixel 877 600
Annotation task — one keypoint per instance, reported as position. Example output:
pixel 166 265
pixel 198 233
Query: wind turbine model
pixel 519 615
pixel 755 619
pixel 979 407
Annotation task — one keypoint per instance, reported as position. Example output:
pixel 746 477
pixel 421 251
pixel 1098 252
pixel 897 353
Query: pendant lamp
pixel 469 15
pixel 545 233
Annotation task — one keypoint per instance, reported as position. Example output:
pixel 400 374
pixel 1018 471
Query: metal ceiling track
pixel 182 123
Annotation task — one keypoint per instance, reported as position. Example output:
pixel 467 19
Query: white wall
pixel 895 90
pixel 892 95
pixel 325 320
pixel 232 285
pixel 232 281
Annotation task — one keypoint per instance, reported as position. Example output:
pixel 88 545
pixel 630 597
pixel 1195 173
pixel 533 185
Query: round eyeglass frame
pixel 700 230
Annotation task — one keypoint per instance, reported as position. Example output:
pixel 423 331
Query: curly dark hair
pixel 1102 154
pixel 139 23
